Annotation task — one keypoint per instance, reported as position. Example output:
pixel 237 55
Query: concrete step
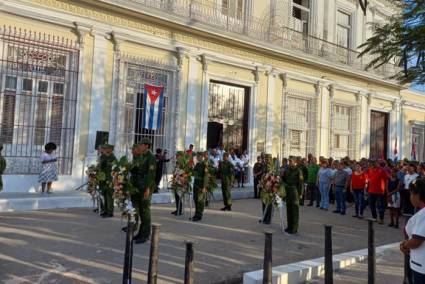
pixel 10 202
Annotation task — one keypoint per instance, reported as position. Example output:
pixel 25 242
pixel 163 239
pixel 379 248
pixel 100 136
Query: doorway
pixel 378 135
pixel 228 108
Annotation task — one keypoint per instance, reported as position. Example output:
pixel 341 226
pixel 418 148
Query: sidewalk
pixel 389 269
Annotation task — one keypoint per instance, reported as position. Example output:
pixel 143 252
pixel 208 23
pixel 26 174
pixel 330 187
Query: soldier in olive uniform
pixel 200 172
pixel 143 178
pixel 227 173
pixel 106 162
pixel 294 181
pixel 2 167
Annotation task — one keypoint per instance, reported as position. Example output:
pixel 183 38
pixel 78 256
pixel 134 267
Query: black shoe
pixel 229 208
pixel 107 215
pixel 342 213
pixel 124 229
pixel 288 231
pixel 196 219
pixel 355 216
pixel 391 225
pixel 96 210
pixel 174 212
pixel 336 211
pixel 317 205
pixel 224 208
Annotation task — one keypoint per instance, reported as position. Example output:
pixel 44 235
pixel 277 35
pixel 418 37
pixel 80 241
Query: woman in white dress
pixel 49 172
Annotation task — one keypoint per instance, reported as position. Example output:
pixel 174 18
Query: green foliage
pixel 401 40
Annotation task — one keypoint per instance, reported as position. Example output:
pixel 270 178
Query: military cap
pixel 134 146
pixel 107 146
pixel 145 141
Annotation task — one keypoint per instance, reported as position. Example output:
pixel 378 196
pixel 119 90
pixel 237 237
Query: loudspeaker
pixel 102 137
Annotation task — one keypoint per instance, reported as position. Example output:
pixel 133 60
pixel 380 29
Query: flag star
pixel 153 92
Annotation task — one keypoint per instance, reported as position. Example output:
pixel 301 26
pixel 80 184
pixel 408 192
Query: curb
pixel 300 272
pixel 10 202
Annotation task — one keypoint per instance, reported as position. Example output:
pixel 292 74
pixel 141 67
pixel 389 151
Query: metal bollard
pixel 267 266
pixel 371 261
pixel 153 258
pixel 188 267
pixel 128 256
pixel 328 255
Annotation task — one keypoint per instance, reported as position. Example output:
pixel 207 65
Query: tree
pixel 402 41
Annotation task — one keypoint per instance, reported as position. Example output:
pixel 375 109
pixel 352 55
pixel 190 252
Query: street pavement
pixel 389 269
pixel 77 246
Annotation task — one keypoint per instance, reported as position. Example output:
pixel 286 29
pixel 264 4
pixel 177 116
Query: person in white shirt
pixel 415 231
pixel 410 176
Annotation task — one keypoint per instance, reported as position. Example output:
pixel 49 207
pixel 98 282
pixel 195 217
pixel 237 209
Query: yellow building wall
pixel 297 85
pixel 35 26
pixel 345 97
pixel 381 105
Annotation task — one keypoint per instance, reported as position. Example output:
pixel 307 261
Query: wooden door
pixel 378 135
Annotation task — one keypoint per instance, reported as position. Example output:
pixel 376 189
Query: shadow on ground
pixel 76 246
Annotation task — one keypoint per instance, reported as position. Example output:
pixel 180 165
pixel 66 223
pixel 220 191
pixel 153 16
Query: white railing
pixel 210 13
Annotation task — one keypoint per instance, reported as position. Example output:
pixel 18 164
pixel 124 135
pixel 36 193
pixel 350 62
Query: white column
pixel 331 122
pixel 191 102
pixel 252 130
pixel 369 102
pixel 78 165
pixel 270 117
pixel 318 87
pixel 97 98
pixel 204 104
pixel 324 123
pixel 284 109
pixel 395 128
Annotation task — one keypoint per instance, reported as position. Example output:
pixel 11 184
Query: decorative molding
pixel 256 75
pixel 204 62
pixel 81 31
pixel 196 41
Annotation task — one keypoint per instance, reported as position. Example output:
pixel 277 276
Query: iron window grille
pixel 38 95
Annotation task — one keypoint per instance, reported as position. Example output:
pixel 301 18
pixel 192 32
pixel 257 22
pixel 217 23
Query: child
pixel 415 231
pixel 393 196
pixel 49 172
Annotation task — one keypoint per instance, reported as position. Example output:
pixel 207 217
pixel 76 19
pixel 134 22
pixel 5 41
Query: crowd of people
pixel 379 184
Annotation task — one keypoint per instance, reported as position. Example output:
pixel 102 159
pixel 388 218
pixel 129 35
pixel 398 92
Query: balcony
pixel 209 13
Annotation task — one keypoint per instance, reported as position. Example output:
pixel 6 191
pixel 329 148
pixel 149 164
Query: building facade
pixel 276 76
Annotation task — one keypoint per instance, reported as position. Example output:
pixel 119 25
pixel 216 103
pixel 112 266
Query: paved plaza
pixel 76 246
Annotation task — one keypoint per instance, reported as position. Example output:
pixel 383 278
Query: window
pixel 295 139
pixel 27 85
pixel 301 15
pixel 343 29
pixel 58 88
pixel 232 8
pixel 33 108
pixel 43 86
pixel 11 83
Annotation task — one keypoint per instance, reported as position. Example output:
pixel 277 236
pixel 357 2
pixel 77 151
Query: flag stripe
pixel 153 107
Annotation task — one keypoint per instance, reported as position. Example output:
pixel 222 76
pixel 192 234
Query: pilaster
pixel 204 103
pixel 190 135
pixel 270 117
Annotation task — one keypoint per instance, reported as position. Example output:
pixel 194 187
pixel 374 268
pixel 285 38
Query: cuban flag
pixel 153 103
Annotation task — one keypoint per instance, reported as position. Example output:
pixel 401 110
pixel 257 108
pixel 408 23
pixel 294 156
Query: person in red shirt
pixel 358 185
pixel 376 187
